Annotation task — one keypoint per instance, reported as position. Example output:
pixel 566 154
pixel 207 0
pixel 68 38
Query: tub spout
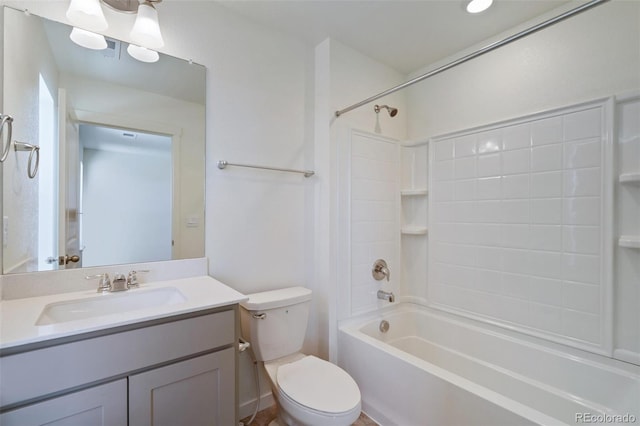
pixel 386 295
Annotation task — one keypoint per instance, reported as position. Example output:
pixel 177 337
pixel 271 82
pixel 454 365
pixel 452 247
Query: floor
pixel 265 416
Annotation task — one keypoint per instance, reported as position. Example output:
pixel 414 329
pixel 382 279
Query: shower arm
pixel 477 53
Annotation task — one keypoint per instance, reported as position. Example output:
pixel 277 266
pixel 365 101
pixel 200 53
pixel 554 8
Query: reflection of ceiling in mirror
pixel 172 77
pixel 126 141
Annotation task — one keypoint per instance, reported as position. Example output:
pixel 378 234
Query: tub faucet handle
pixel 380 270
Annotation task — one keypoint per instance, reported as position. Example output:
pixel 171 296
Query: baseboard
pixel 246 409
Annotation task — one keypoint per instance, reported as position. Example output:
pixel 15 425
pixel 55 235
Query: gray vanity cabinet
pixel 193 392
pixel 171 371
pixel 104 405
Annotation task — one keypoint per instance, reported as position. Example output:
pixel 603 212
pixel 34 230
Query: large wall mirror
pixel 121 171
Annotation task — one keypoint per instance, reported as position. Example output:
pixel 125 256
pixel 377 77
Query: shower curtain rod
pixel 475 54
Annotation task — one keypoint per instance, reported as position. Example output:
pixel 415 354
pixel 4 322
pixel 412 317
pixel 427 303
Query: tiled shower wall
pixel 374 198
pixel 516 224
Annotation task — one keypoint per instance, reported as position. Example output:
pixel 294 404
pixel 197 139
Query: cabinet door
pixel 199 391
pixel 104 405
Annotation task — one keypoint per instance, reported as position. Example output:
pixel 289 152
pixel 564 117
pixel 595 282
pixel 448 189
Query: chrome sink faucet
pixel 119 283
pixel 104 285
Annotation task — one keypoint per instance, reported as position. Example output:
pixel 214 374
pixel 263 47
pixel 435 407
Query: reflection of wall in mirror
pixel 22 71
pixel 145 107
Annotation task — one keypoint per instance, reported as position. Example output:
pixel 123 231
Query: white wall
pixel 595 54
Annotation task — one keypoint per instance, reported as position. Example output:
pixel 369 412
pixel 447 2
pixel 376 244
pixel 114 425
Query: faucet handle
pixel 105 283
pixel 380 270
pixel 132 278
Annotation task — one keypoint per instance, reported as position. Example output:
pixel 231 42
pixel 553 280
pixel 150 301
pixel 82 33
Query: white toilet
pixel 308 390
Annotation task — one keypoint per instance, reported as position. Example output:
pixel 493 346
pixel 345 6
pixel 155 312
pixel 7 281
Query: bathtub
pixel 435 369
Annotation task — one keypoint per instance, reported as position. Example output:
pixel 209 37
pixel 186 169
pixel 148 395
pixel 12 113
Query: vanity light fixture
pixel 145 33
pixel 477 6
pixel 87 14
pixel 143 54
pixel 88 39
pixel 146 30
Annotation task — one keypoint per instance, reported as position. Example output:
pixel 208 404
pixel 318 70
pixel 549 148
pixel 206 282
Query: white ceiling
pixel 406 35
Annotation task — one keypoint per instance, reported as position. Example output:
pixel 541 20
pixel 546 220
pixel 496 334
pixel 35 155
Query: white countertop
pixel 18 317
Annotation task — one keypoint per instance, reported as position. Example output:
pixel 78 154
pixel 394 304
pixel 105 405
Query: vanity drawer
pixel 48 370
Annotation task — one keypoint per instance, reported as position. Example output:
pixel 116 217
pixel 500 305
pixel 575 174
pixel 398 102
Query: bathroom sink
pixel 108 304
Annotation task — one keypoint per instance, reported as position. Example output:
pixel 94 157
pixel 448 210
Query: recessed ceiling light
pixel 477 6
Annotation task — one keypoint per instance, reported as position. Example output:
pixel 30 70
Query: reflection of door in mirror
pixel 47 234
pixel 69 196
pixel 126 195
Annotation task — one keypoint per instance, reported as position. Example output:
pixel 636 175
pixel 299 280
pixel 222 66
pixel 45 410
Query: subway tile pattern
pixel 374 217
pixel 515 223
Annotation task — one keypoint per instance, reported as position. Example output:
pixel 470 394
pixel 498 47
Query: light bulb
pixel 146 29
pixel 87 14
pixel 143 54
pixel 88 39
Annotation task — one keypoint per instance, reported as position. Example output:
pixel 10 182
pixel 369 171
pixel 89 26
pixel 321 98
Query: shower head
pixel 392 111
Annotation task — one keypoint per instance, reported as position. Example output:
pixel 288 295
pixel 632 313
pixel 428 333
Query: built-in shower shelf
pixel 629 241
pixel 414 230
pixel 633 178
pixel 413 192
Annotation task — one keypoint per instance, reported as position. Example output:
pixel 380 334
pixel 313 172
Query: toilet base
pixel 293 414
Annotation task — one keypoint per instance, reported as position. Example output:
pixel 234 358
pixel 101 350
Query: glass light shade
pixel 146 29
pixel 88 39
pixel 477 6
pixel 143 54
pixel 87 14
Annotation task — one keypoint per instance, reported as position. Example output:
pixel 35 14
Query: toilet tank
pixel 275 322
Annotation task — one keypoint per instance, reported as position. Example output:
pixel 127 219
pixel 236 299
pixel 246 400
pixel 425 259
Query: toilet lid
pixel 319 385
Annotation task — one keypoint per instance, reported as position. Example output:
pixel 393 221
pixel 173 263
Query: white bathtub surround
pixel 520 219
pixel 627 219
pixel 414 230
pixel 499 377
pixel 373 200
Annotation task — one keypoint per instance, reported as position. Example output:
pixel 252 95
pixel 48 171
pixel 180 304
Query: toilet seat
pixel 319 385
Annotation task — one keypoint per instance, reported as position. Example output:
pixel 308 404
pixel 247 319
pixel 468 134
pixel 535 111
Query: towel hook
pixel 8 120
pixel 33 149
